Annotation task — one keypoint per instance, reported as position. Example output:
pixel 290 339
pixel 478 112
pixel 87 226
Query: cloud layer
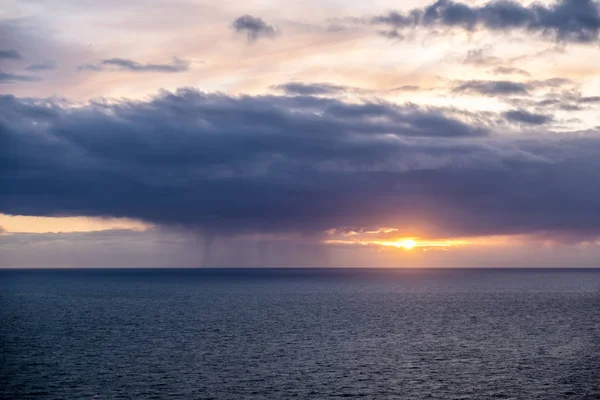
pixel 8 77
pixel 227 165
pixel 11 54
pixel 124 64
pixel 565 20
pixel 42 66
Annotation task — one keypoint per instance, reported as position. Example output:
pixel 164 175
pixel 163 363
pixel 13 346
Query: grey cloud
pixel 392 34
pixel 552 82
pixel 565 20
pixel 177 65
pixel 480 57
pixel 7 77
pixel 525 117
pixel 406 88
pixel 505 88
pixel 510 71
pixel 228 165
pixel 253 27
pixel 310 89
pixel 328 89
pixel 570 100
pixel 399 20
pixel 9 55
pixel 37 43
pixel 493 88
pixel 43 66
pixel 90 67
pixel 589 99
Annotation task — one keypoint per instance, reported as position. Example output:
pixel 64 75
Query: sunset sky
pixel 181 133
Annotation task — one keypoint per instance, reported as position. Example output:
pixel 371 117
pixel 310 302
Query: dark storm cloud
pixel 9 55
pixel 565 20
pixel 228 165
pixel 124 64
pixel 525 117
pixel 43 66
pixel 7 77
pixel 253 27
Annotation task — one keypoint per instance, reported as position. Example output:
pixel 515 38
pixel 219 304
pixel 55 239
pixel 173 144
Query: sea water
pixel 305 334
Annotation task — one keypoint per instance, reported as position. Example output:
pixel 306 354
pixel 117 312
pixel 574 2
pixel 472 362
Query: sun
pixel 407 244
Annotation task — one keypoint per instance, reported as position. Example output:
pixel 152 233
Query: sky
pixel 180 133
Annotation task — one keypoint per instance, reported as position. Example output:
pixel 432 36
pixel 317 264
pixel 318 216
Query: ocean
pixel 300 333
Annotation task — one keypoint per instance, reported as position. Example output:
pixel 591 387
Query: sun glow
pixel 407 244
pixel 410 243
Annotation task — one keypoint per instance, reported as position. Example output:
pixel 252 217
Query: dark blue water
pixel 306 334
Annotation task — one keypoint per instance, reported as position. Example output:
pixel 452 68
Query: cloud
pixel 391 34
pixel 124 64
pixel 525 117
pixel 480 57
pixel 505 88
pixel 589 99
pixel 568 100
pixel 43 66
pixel 304 164
pixel 492 88
pixel 9 55
pixel 332 90
pixel 90 67
pixel 7 77
pixel 39 43
pixel 565 20
pixel 253 27
pixel 310 89
pixel 510 71
pixel 406 88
